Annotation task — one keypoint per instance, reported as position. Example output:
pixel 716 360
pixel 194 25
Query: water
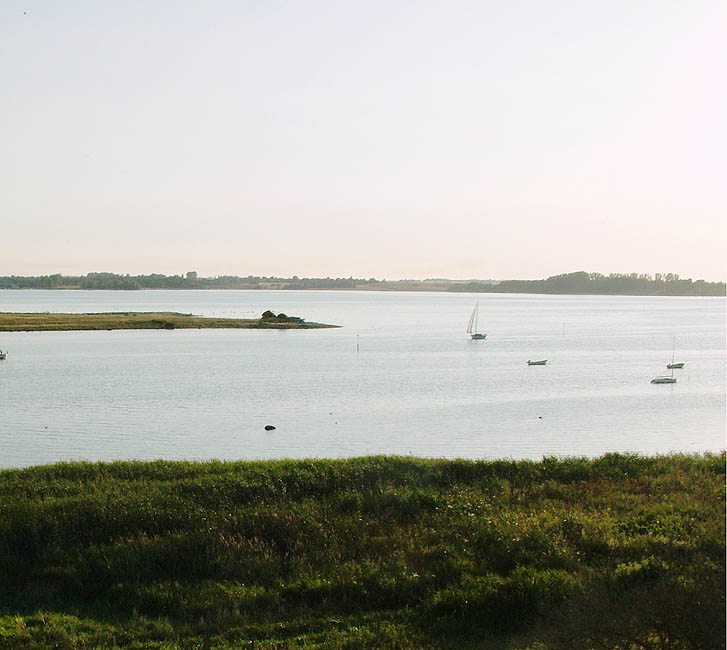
pixel 415 385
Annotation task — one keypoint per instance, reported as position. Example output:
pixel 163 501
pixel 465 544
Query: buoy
pixel 269 427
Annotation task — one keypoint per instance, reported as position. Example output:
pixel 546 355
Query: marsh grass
pixel 27 322
pixel 377 552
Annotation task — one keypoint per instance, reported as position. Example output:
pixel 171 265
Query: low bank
pixel 36 322
pixel 381 552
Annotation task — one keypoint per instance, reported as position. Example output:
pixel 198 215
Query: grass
pixel 383 552
pixel 26 322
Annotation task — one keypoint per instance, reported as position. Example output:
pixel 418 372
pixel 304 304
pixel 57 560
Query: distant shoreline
pixel 59 322
pixel 578 283
pixel 394 287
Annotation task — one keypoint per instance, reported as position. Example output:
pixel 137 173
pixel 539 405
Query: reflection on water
pixel 416 385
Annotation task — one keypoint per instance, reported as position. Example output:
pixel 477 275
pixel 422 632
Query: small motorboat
pixel 537 363
pixel 674 366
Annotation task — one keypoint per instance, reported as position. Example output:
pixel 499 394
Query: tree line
pixel 187 281
pixel 580 282
pixel 624 284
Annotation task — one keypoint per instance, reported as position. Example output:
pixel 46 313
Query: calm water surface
pixel 399 377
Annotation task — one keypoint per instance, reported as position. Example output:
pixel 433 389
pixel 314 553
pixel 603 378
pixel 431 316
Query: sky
pixel 320 138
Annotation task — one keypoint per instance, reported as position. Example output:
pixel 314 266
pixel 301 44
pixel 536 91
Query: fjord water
pixel 399 377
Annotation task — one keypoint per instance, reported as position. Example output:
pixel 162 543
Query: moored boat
pixel 670 379
pixel 542 362
pixel 472 325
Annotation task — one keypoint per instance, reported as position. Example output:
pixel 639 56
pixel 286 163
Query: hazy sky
pixel 384 138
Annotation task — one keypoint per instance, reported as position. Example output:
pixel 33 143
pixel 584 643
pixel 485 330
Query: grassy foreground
pixel 21 322
pixel 383 552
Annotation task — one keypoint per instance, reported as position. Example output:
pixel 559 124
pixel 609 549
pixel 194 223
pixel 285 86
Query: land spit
pixel 37 322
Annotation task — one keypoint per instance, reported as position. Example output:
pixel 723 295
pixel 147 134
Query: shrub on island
pixel 281 317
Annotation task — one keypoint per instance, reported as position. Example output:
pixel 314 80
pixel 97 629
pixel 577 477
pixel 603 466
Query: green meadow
pixel 620 552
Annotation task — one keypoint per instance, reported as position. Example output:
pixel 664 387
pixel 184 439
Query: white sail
pixel 472 320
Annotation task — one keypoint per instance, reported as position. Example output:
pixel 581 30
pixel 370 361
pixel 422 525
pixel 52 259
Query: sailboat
pixel 671 379
pixel 673 365
pixel 472 325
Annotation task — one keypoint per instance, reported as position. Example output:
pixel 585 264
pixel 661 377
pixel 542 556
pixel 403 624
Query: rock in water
pixel 269 427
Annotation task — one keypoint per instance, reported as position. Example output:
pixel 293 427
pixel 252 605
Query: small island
pixel 44 322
